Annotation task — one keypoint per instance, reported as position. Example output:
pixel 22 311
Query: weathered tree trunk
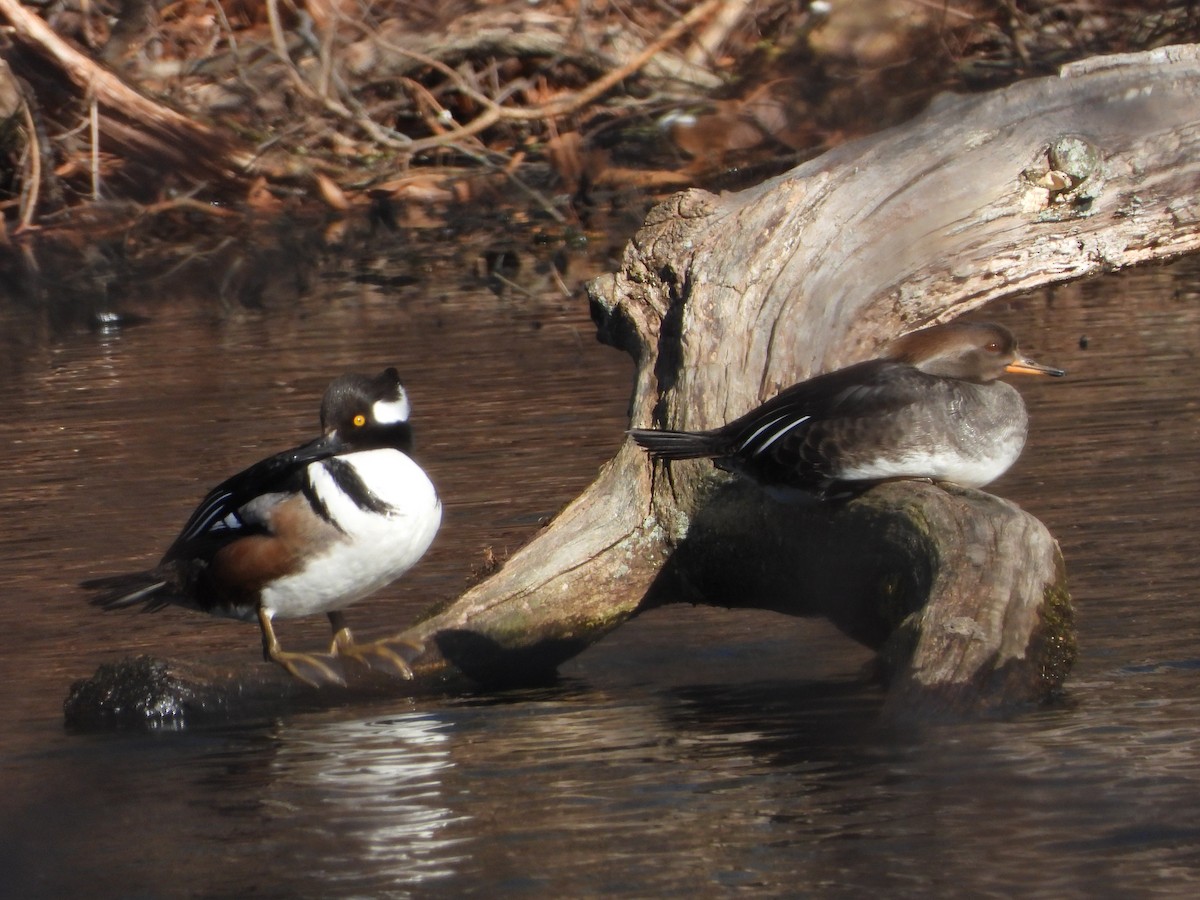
pixel 724 300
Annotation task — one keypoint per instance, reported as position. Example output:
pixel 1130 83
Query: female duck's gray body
pixel 931 407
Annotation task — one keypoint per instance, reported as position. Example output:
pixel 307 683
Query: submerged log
pixel 724 300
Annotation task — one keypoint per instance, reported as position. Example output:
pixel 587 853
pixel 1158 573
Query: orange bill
pixel 1022 366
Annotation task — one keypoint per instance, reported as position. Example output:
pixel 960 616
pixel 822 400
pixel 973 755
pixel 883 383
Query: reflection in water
pixel 377 787
pixel 693 751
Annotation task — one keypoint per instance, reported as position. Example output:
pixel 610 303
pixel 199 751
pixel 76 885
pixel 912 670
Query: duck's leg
pixel 382 655
pixel 316 669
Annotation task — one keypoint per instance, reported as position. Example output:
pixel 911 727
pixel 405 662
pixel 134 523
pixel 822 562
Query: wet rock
pixel 145 692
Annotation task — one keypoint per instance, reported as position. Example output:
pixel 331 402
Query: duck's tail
pixel 667 445
pixel 120 591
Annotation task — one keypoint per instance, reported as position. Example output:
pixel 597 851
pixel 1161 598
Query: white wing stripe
pixel 761 428
pixel 210 514
pixel 780 433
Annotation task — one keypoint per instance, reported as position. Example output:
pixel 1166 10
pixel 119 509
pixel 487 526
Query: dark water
pixel 694 752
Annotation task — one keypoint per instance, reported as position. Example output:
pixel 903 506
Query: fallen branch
pixel 723 300
pixel 161 133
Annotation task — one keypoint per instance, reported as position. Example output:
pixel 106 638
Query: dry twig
pixel 29 198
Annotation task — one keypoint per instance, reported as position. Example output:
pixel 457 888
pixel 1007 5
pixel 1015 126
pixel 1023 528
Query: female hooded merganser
pixel 306 531
pixel 930 407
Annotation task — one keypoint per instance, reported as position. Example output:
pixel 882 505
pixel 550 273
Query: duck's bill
pixel 322 448
pixel 1029 367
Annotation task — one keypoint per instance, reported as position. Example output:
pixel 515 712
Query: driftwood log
pixel 723 300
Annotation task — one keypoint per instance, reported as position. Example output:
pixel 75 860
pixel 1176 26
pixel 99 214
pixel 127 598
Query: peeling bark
pixel 724 300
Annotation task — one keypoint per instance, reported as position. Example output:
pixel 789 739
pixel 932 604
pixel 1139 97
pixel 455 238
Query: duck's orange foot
pixel 389 656
pixel 316 669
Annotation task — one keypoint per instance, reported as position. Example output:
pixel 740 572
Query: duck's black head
pixel 363 413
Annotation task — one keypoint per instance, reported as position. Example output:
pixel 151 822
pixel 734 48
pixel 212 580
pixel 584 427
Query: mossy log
pixel 724 300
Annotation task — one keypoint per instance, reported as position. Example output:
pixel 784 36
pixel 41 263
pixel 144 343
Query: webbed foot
pixel 389 656
pixel 316 669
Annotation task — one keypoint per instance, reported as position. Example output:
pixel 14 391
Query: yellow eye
pixel 360 420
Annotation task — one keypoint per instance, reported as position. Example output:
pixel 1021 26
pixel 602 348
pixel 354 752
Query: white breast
pixel 970 435
pixel 375 548
pixel 961 468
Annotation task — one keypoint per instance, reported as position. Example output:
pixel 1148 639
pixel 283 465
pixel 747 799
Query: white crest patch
pixel 391 412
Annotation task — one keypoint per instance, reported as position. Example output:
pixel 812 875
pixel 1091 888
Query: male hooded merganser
pixel 306 531
pixel 930 407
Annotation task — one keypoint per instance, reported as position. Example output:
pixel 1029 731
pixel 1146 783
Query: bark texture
pixel 725 300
